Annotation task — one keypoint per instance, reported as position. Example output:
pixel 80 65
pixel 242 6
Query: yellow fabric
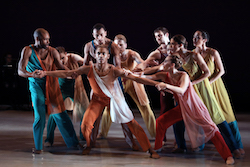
pixel 130 64
pixel 204 90
pixel 220 92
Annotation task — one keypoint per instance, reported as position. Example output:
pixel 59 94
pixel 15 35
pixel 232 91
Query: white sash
pixel 119 110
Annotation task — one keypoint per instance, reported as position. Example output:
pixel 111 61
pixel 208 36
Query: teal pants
pixel 62 120
pixel 51 125
pixel 236 133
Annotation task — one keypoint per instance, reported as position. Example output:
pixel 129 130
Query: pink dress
pixel 199 125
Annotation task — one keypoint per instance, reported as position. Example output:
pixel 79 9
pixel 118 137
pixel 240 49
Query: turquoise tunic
pixel 37 90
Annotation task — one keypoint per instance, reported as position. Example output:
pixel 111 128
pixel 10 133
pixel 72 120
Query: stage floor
pixel 16 143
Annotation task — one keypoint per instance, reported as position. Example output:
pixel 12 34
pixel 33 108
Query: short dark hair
pixel 176 60
pixel 98 26
pixel 101 46
pixel 162 29
pixel 180 39
pixel 60 49
pixel 204 35
pixel 121 37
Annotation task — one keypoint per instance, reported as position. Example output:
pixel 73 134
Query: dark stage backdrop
pixel 70 24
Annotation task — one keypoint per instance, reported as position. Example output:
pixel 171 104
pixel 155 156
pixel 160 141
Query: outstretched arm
pixel 67 73
pixel 181 89
pixel 129 75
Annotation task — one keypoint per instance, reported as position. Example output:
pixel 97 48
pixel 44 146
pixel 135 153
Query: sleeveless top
pixel 220 92
pixel 163 56
pixel 204 90
pixel 111 59
pixel 130 64
pixel 54 99
pixel 102 88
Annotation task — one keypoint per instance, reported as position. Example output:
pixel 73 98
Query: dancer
pixel 72 88
pixel 129 59
pixel 215 65
pixel 200 127
pixel 99 33
pixel 155 58
pixel 41 56
pixel 198 72
pixel 106 91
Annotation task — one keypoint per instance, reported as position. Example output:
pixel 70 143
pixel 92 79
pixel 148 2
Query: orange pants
pixel 95 109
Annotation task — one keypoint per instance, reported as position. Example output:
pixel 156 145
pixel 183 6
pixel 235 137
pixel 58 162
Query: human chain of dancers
pixel 193 96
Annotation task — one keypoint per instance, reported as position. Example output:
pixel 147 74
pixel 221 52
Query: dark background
pixel 70 22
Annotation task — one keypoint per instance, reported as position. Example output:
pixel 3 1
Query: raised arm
pixel 203 66
pixel 115 51
pixel 87 56
pixel 219 68
pixel 25 55
pixel 181 89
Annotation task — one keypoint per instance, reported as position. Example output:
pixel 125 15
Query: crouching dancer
pixel 107 92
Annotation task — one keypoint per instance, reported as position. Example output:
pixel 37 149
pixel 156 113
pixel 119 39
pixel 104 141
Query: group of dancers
pixel 193 96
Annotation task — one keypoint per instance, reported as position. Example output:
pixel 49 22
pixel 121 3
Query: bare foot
pixel 135 147
pixel 47 144
pixel 153 154
pixel 237 154
pixel 35 151
pixel 242 151
pixel 230 161
pixel 86 150
pixel 100 136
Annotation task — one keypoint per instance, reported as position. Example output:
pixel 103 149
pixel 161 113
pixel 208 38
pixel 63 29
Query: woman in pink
pixel 199 125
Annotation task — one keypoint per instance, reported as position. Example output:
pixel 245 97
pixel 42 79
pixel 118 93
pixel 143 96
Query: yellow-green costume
pixel 204 90
pixel 223 100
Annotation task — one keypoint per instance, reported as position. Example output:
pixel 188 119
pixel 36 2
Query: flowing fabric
pixel 199 125
pixel 220 92
pixel 119 110
pixel 81 100
pixel 130 64
pixel 54 99
pixel 204 90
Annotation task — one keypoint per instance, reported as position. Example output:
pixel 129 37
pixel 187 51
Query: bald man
pixel 41 56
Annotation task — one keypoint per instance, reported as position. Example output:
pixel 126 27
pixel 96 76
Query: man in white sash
pixel 106 92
